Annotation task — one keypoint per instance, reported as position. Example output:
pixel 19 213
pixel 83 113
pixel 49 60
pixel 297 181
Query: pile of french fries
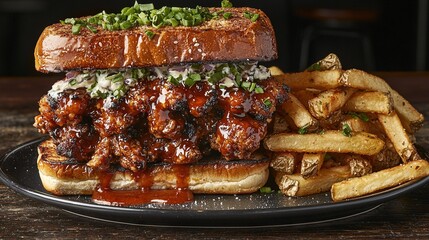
pixel 346 131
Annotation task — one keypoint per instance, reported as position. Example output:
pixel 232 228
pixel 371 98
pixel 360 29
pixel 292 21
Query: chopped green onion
pixel 192 79
pixel 146 7
pixel 258 89
pixel 254 17
pixel 116 78
pixel 195 76
pixel 149 34
pixel 73 82
pixel 102 94
pixel 223 75
pixel 252 87
pixel 346 130
pixel 173 80
pixel 245 85
pixel 76 29
pixel 125 25
pixel 143 15
pixel 268 103
pixel 196 66
pixel 70 21
pixel 92 28
pixel 265 190
pixel 361 116
pixel 227 15
pixel 226 4
pixel 216 77
pixel 303 130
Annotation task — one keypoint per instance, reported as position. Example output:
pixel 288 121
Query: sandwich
pixel 168 98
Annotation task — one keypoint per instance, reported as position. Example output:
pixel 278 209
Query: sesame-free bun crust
pixel 217 40
pixel 62 176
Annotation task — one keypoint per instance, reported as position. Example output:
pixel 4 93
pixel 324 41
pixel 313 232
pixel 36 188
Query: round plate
pixel 18 170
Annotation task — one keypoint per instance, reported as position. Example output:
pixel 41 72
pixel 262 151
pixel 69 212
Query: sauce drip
pixel 103 194
pixel 139 197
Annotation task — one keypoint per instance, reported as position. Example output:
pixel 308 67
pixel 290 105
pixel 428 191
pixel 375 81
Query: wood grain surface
pixel 21 217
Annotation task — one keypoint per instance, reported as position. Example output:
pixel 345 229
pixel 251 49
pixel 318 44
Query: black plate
pixel 18 170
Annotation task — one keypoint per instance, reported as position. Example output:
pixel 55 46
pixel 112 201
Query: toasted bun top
pixel 216 40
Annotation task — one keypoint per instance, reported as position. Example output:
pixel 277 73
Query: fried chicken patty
pixel 156 120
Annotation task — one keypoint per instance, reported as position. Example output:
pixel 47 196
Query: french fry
pixel 298 113
pixel 376 181
pixel 358 165
pixel 373 102
pixel 297 185
pixel 386 158
pixel 279 124
pixel 311 164
pixel 305 95
pixel 411 118
pixel 330 62
pixel 375 120
pixel 396 133
pixel 329 101
pixel 275 71
pixel 328 141
pixel 332 122
pixel 284 162
pixel 315 79
pixel 357 125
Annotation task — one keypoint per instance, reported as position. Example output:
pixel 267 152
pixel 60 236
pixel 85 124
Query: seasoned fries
pixel 396 133
pixel 315 79
pixel 328 141
pixel 390 177
pixel 284 162
pixel 370 102
pixel 329 101
pixel 411 118
pixel 347 131
pixel 298 113
pixel 297 185
pixel 311 163
pixel 275 71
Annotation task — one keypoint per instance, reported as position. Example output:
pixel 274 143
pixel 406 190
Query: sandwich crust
pixel 62 176
pixel 216 40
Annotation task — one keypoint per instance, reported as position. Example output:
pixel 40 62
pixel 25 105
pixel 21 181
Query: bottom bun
pixel 63 176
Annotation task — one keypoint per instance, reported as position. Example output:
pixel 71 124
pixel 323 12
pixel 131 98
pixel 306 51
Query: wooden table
pixel 21 217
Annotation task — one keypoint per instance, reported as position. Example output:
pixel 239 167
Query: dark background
pixel 398 42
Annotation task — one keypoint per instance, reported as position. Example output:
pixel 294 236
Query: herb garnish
pixel 268 103
pixel 362 116
pixel 265 190
pixel 115 83
pixel 346 130
pixel 149 34
pixel 142 15
pixel 303 130
pixel 252 16
pixel 147 15
pixel 226 4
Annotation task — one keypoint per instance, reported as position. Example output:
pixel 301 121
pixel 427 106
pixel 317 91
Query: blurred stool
pixel 345 32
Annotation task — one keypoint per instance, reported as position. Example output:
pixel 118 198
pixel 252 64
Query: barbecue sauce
pixel 103 194
pixel 139 197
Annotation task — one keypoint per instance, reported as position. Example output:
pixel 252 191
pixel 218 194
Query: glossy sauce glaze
pixel 157 120
pixel 103 194
pixel 139 197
